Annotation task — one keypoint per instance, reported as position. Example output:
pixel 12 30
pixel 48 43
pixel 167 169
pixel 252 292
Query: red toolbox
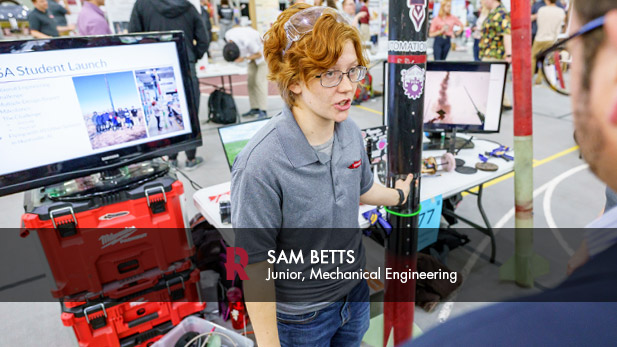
pixel 126 321
pixel 147 338
pixel 109 322
pixel 89 242
pixel 150 281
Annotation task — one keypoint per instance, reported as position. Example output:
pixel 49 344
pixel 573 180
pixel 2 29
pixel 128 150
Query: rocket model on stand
pixel 406 76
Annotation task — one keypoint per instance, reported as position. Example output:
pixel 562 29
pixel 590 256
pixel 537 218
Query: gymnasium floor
pixel 566 195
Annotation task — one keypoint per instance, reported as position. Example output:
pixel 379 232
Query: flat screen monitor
pixel 235 137
pixel 70 107
pixel 466 96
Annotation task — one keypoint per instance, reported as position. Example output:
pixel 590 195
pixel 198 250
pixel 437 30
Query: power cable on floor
pixel 194 184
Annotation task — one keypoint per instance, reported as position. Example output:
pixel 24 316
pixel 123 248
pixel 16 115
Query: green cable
pixel 404 215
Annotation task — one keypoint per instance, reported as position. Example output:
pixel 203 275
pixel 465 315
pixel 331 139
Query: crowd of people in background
pixel 487 22
pixel 482 26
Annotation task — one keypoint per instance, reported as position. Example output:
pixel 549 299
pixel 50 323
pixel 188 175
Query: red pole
pixel 524 265
pixel 521 67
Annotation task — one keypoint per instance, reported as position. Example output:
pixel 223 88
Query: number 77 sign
pixel 428 221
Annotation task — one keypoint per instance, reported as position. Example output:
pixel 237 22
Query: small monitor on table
pixel 235 137
pixel 463 97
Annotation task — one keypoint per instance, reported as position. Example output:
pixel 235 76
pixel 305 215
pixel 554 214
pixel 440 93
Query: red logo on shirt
pixel 356 164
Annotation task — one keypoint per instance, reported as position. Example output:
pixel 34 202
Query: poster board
pixel 263 13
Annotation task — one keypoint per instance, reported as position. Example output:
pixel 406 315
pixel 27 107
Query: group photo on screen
pixel 158 94
pixel 456 98
pixel 110 108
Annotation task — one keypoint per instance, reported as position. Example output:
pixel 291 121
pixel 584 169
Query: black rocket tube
pixel 406 76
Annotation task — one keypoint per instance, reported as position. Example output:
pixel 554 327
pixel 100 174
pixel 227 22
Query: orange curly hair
pixel 314 53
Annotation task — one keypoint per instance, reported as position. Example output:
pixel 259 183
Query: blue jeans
pixel 343 323
pixel 441 47
pixel 476 50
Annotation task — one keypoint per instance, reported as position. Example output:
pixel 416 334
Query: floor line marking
pixel 536 164
pixel 368 109
pixel 548 214
pixel 445 312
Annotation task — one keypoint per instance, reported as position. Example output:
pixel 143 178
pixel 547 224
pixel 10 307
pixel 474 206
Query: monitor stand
pixel 438 142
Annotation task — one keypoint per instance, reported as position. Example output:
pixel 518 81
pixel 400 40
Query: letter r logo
pixel 232 267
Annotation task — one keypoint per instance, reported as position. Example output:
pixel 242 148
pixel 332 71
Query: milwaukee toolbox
pixel 109 322
pixel 148 338
pixel 155 204
pixel 90 240
pixel 151 281
pixel 123 322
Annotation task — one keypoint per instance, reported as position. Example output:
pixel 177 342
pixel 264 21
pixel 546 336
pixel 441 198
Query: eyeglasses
pixel 554 62
pixel 333 78
pixel 303 22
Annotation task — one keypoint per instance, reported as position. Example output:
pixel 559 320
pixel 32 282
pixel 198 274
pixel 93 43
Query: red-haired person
pixel 298 183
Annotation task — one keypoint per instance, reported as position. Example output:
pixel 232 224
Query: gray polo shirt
pixel 279 185
pixel 43 22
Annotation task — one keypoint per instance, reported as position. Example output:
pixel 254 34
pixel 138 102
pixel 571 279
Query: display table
pixel 446 184
pixel 221 70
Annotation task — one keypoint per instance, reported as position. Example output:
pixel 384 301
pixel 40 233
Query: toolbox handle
pixel 91 308
pixel 142 320
pixel 142 284
pixel 168 286
pixel 68 208
pixel 153 189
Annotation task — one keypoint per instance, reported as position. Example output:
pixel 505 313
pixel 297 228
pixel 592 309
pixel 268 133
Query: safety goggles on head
pixel 303 22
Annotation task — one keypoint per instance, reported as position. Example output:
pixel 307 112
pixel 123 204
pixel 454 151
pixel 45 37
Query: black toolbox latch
pixel 65 228
pixel 157 206
pixel 97 322
pixel 178 293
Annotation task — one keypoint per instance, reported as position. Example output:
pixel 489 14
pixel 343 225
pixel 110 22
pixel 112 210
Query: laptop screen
pixel 235 137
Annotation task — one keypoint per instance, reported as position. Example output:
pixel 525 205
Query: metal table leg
pixel 487 229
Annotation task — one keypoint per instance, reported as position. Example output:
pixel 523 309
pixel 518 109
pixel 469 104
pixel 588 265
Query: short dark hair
pixel 552 1
pixel 588 11
pixel 231 51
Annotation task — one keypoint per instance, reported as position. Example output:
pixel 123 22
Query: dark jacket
pixel 162 15
pixel 579 312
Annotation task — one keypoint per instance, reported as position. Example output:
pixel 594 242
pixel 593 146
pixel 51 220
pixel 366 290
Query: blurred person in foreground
pixel 581 311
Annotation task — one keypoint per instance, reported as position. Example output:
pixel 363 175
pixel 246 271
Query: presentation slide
pixel 66 104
